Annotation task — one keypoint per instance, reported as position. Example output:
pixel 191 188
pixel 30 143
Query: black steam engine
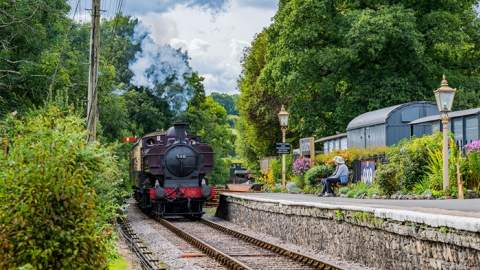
pixel 168 169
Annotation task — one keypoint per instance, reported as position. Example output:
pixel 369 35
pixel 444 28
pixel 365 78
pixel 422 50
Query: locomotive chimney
pixel 180 131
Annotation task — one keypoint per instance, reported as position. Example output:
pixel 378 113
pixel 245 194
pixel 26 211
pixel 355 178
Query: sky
pixel 213 32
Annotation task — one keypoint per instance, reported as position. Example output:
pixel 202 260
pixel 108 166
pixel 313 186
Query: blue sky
pixel 214 32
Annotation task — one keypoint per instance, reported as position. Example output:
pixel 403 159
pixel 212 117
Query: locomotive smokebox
pixel 180 131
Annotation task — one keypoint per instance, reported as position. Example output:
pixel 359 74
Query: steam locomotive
pixel 168 169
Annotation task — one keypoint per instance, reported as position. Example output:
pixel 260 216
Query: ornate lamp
pixel 444 97
pixel 283 118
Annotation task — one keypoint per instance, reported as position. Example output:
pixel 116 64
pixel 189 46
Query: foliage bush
pixel 386 177
pixel 407 163
pixel 58 195
pixel 473 165
pixel 316 172
pixel 299 180
pixel 276 167
pixel 350 155
pixel 360 190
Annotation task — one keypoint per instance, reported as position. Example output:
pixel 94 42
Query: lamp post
pixel 444 97
pixel 283 118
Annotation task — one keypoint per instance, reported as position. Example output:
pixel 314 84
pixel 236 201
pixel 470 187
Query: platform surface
pixel 459 214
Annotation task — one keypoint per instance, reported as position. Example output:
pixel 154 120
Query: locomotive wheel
pixel 159 209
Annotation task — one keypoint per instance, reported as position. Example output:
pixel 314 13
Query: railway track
pixel 147 261
pixel 236 250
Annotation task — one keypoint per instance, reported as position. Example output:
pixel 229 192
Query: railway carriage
pixel 168 170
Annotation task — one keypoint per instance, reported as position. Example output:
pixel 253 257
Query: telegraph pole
pixel 92 108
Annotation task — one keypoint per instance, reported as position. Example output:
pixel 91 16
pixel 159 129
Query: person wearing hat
pixel 339 176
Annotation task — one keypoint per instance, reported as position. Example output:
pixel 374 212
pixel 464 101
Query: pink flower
pixel 473 146
pixel 301 165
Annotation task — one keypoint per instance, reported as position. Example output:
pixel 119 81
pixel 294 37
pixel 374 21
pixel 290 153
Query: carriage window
pixel 150 142
pixel 343 143
pixel 435 127
pixel 471 128
pixel 458 131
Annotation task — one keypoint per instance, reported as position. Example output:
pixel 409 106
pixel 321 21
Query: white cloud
pixel 214 40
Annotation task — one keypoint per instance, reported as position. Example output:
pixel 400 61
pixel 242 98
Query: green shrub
pixel 360 190
pixel 351 154
pixel 276 166
pixel 433 179
pixel 317 172
pixel 299 180
pixel 312 189
pixel 407 164
pixel 344 190
pixel 473 171
pixel 58 195
pixel 386 177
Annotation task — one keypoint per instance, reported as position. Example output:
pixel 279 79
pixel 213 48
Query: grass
pixel 118 264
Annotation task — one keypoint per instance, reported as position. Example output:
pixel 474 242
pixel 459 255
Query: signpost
pixel 283 148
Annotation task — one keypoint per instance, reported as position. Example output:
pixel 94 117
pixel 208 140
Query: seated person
pixel 339 176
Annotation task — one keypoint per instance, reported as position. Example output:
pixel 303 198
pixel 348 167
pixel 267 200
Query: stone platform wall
pixel 358 236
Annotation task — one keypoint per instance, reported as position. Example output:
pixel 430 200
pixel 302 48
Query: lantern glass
pixel 437 99
pixel 283 120
pixel 444 100
pixel 283 117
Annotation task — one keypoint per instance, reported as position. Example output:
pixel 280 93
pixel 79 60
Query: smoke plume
pixel 161 69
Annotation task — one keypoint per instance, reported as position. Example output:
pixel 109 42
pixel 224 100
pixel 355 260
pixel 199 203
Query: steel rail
pixel 224 259
pixel 143 254
pixel 310 261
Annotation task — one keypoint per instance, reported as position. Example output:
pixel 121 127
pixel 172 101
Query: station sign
pixel 283 148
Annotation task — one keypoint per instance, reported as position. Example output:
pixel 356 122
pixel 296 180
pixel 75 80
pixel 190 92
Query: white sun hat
pixel 339 160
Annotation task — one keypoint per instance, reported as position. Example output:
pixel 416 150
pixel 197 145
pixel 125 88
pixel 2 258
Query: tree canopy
pixel 329 61
pixel 229 102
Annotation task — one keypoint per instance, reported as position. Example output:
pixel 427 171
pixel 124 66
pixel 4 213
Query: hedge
pixel 58 195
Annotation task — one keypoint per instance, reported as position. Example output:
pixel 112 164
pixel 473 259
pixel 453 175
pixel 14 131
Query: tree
pixel 329 61
pixel 229 102
pixel 30 42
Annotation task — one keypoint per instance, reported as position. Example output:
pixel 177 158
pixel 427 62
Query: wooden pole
pixel 445 151
pixel 459 180
pixel 92 107
pixel 284 169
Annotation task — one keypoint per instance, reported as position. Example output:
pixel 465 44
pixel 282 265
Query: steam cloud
pixel 162 69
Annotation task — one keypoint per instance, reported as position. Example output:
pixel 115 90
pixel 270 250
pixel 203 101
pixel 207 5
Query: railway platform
pixel 458 214
pixel 383 234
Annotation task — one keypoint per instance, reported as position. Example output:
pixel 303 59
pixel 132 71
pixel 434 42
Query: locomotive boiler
pixel 168 170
